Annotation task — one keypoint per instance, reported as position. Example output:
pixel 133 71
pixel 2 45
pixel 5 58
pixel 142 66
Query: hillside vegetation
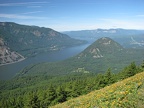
pixel 42 91
pixel 128 93
pixel 47 84
pixel 30 40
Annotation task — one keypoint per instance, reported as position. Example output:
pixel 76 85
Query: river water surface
pixel 10 70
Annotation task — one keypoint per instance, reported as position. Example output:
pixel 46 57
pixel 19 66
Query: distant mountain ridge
pixel 34 39
pixel 102 32
pixel 122 36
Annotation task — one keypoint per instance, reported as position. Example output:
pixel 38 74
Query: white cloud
pixel 140 15
pixel 32 12
pixel 23 3
pixel 34 6
pixel 15 16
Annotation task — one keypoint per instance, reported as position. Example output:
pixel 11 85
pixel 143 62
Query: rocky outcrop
pixel 7 56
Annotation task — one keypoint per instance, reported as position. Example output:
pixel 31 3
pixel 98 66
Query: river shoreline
pixel 8 71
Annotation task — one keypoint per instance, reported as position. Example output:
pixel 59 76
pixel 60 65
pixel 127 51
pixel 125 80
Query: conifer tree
pixel 61 95
pixel 132 69
pixel 50 95
pixel 33 101
pixel 108 74
pixel 142 65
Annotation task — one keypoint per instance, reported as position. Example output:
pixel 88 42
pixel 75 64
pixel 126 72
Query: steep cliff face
pixel 7 56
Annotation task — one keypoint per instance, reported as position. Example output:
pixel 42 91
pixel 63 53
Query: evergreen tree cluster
pixel 42 92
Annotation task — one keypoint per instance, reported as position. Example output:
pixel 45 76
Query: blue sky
pixel 65 15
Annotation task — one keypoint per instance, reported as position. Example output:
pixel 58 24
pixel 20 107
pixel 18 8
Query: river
pixel 10 70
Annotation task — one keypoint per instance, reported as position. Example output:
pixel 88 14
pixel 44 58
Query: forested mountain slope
pixel 30 40
pixel 45 91
pixel 128 93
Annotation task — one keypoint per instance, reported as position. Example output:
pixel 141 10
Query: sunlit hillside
pixel 128 93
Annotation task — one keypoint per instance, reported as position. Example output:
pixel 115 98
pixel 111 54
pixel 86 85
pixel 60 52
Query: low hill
pixel 106 53
pixel 128 93
pixel 30 40
pixel 102 47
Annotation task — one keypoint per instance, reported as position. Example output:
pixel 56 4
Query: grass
pixel 128 93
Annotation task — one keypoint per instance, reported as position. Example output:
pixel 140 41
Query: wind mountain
pixel 102 47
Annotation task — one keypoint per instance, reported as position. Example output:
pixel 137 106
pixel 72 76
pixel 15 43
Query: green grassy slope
pixel 128 93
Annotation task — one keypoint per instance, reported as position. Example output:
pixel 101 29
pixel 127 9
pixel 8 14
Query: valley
pixel 22 45
pixel 63 68
pixel 97 58
pixel 71 53
pixel 10 70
